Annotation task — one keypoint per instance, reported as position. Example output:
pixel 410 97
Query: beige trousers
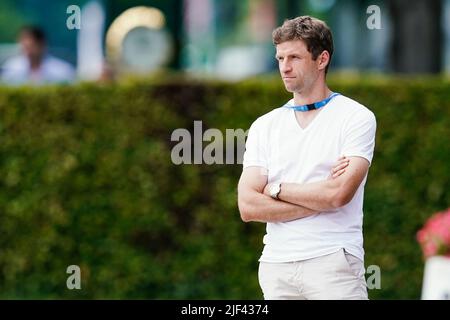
pixel 336 276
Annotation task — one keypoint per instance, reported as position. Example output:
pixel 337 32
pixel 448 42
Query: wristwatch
pixel 274 190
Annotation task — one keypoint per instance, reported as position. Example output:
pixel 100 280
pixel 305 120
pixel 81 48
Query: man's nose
pixel 285 67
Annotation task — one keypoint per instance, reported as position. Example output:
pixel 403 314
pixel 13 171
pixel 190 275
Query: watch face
pixel 274 190
pixel 145 49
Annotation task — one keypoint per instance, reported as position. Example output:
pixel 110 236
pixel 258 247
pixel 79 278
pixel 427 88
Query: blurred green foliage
pixel 11 20
pixel 87 179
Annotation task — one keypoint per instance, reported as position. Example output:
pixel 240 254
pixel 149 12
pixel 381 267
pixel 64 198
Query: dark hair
pixel 35 32
pixel 314 32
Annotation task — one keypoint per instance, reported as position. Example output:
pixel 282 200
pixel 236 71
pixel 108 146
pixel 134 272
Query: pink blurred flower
pixel 434 237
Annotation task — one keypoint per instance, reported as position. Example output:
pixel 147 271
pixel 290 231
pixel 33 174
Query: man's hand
pixel 339 167
pixel 331 193
pixel 336 171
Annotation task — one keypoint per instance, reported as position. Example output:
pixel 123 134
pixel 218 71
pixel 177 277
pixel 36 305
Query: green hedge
pixel 86 178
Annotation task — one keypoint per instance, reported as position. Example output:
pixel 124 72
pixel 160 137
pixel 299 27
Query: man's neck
pixel 316 94
pixel 35 62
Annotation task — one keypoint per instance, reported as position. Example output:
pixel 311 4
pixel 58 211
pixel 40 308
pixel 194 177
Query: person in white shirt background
pixel 35 65
pixel 304 171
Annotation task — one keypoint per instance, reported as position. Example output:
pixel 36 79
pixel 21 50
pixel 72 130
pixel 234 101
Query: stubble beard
pixel 298 86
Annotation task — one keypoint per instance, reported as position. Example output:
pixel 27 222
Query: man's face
pixel 31 48
pixel 297 68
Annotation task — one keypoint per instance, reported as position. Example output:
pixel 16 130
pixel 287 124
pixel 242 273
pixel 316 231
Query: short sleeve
pixel 255 154
pixel 359 135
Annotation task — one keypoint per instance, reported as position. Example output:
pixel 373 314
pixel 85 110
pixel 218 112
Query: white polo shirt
pixel 17 71
pixel 291 154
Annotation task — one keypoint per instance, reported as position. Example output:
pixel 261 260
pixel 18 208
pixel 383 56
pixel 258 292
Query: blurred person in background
pixel 35 65
pixel 313 247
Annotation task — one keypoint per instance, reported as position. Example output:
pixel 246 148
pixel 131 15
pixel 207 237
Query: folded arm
pixel 329 194
pixel 254 205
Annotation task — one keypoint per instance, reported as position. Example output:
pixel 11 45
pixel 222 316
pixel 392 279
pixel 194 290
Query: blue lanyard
pixel 313 106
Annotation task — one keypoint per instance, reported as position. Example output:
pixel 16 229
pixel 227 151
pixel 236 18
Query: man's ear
pixel 323 60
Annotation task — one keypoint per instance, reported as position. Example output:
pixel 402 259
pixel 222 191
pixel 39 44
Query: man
pixel 314 243
pixel 35 65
